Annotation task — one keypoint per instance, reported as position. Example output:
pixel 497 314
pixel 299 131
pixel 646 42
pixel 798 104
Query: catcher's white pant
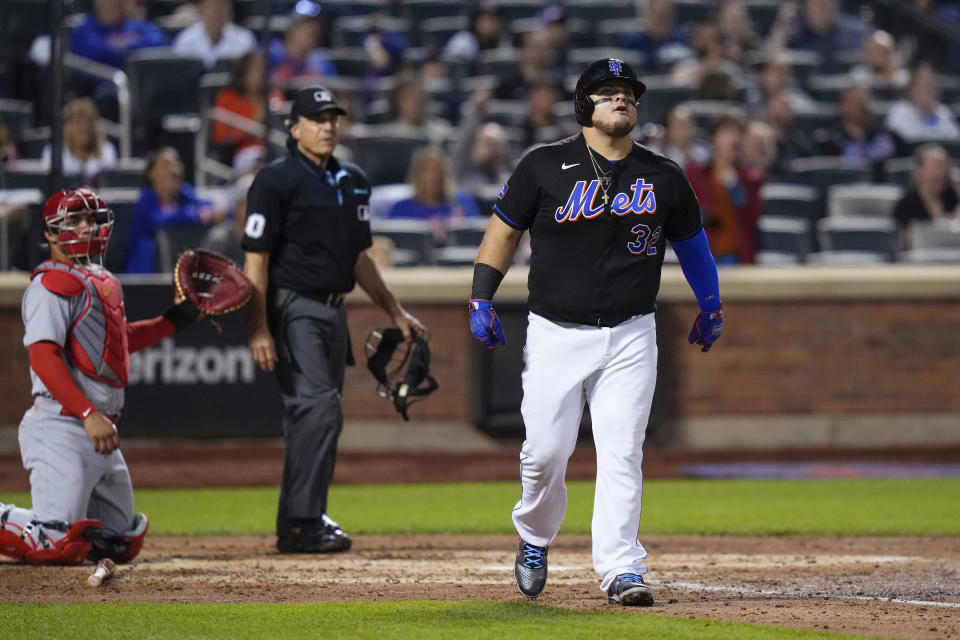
pixel 70 481
pixel 613 369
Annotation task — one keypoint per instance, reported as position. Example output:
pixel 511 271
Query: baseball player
pixel 599 208
pixel 79 343
pixel 305 239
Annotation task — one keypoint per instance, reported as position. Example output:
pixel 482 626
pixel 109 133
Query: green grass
pixel 737 507
pixel 375 620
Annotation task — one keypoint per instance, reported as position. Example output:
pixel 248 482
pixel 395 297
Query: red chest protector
pixel 97 339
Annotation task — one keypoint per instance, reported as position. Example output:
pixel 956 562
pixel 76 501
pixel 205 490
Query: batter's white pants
pixel 614 370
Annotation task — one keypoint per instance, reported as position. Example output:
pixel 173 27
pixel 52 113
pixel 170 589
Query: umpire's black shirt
pixel 313 222
pixel 592 264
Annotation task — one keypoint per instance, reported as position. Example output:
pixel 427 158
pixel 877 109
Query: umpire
pixel 305 241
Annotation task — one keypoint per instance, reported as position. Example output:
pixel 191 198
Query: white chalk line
pixel 697 586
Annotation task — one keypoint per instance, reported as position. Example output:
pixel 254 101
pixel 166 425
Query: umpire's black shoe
pixel 317 536
pixel 629 590
pixel 530 569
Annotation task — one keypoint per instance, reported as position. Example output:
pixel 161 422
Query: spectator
pixel 920 115
pixel 299 54
pixel 881 68
pixel 8 150
pixel 434 196
pixel 165 199
pixel 729 194
pixel 243 97
pixel 660 40
pixel 759 149
pixel 792 143
pixel 776 77
pixel 737 34
pixel 224 237
pixel 532 63
pixel 482 158
pixel 855 137
pixel 541 123
pixel 709 58
pixel 112 31
pixel 409 107
pixel 681 144
pixel 485 32
pixel 384 50
pixel 931 195
pixel 215 37
pixel 553 19
pixel 86 151
pixel 824 30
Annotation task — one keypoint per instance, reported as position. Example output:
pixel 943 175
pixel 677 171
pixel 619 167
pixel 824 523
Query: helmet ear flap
pixel 583 109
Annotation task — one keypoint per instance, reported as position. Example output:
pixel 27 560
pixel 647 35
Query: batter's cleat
pixel 629 590
pixel 530 569
pixel 316 536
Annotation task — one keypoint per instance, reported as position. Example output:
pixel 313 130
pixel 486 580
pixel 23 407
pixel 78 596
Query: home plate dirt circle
pixel 888 587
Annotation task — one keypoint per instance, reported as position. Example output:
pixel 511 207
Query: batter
pixel 599 209
pixel 79 342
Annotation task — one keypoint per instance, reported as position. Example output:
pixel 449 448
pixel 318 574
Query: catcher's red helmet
pixel 66 211
pixel 597 73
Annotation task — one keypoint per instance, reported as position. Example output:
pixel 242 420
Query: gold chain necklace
pixel 603 177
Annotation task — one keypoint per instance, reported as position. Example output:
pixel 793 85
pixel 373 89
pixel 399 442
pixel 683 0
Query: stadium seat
pixel 863 199
pixel 847 258
pixel 349 61
pixel 785 235
pixel 703 112
pixel 17 115
pixel 511 10
pixel 384 196
pixel 662 94
pixel 123 202
pixel 456 256
pixel 486 197
pixel 824 172
pixel 933 242
pixel 127 173
pixel 500 62
pixel 419 11
pixel 762 13
pixel 466 232
pixel 436 32
pixel 172 240
pixel 31 174
pixel 791 200
pixel 346 8
pixel 408 235
pixel 162 85
pixel 690 12
pixel 898 170
pixel 21 21
pixel 385 152
pixel 877 235
pixel 595 11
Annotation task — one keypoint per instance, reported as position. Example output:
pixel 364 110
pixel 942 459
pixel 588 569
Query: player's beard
pixel 615 130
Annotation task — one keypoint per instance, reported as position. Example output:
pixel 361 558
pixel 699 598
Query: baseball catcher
pixel 79 341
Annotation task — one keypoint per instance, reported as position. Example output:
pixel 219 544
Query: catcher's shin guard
pixel 33 546
pixel 126 546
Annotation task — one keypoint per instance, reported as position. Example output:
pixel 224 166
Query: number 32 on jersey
pixel 645 242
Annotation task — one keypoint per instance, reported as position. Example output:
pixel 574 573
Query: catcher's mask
pixel 402 367
pixel 67 213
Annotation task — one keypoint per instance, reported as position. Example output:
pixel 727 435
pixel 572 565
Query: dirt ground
pixel 878 587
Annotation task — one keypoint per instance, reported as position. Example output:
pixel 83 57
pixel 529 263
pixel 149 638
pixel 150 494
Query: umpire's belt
pixel 329 299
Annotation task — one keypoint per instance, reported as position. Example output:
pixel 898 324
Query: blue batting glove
pixel 707 328
pixel 485 324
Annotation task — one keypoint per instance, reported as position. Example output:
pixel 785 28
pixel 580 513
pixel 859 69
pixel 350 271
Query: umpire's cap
pixel 311 101
pixel 599 72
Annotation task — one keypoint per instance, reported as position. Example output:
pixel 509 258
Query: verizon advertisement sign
pixel 197 383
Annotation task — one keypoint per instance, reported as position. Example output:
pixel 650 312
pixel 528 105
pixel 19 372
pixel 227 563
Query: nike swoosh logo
pixel 566 166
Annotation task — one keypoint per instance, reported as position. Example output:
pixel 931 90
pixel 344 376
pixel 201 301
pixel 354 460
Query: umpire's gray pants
pixel 312 345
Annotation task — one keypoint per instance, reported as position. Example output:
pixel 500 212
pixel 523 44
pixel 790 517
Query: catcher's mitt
pixel 402 367
pixel 211 281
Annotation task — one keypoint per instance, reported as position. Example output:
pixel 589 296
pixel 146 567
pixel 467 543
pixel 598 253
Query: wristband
pixel 486 279
pixel 182 314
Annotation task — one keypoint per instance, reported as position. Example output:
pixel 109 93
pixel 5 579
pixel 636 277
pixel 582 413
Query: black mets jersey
pixel 313 222
pixel 591 262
